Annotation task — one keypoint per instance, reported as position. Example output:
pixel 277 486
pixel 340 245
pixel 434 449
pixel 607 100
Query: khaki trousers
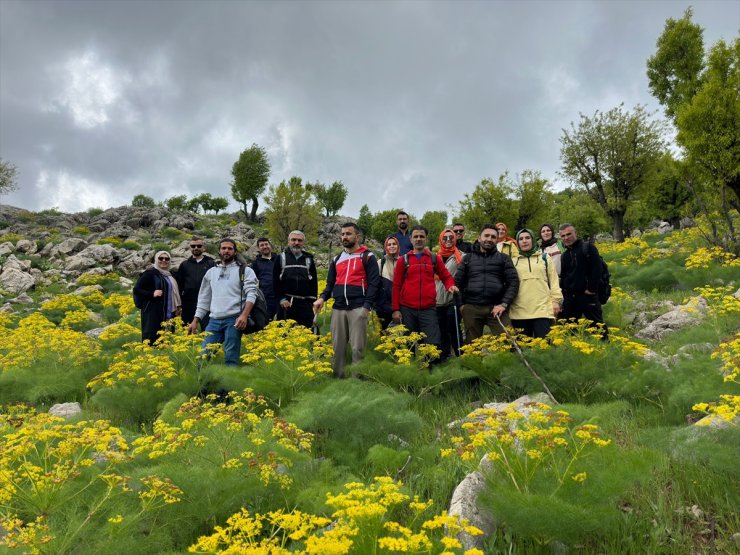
pixel 348 326
pixel 476 317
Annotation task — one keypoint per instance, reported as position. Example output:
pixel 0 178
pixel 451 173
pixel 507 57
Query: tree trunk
pixel 244 209
pixel 255 204
pixel 618 229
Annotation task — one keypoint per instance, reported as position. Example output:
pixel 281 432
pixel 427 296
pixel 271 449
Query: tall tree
pixel 490 202
pixel 178 203
pixel 384 223
pixel 331 198
pixel 251 172
pixel 533 195
pixel 8 177
pixel 611 155
pixel 435 221
pixel 365 220
pixel 291 206
pixel 143 201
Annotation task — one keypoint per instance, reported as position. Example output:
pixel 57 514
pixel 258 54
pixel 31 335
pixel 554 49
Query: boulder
pixel 679 317
pixel 26 246
pixel 13 263
pixel 45 252
pixel 7 307
pixel 664 227
pixel 23 298
pixel 68 247
pixel 6 248
pixel 90 256
pixel 133 263
pixel 65 410
pixel 16 281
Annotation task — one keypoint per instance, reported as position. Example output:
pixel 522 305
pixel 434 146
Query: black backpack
pixel 605 286
pixel 259 317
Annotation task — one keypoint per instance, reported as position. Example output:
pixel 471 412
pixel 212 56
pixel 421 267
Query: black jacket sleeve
pixel 373 282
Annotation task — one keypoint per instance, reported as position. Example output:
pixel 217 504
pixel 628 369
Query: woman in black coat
pixel 157 294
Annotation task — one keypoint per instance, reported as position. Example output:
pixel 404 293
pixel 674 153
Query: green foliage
pixel 409 379
pixel 173 233
pixel 611 156
pixel 490 202
pixel 384 224
pixel 94 211
pixel 45 382
pixel 178 203
pixel 533 195
pixel 8 177
pixel 291 206
pixel 435 221
pixel 143 201
pixel 365 220
pixel 350 416
pixel 81 230
pixel 251 172
pixel 330 199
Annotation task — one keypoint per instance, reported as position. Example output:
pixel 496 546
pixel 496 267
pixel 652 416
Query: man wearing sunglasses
pixel 462 246
pixel 189 277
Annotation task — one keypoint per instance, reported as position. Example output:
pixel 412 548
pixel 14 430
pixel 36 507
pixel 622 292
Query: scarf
pixel 505 238
pixel 173 301
pixel 449 251
pixel 551 241
pixel 390 261
pixel 531 251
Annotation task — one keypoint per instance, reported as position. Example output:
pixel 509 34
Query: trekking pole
pixel 456 307
pixel 524 360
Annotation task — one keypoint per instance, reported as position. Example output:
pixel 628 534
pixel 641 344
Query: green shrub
pixel 81 230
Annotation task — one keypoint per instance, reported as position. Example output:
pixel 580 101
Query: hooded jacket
pixel 351 283
pixel 539 287
pixel 414 287
pixel 580 269
pixel 486 278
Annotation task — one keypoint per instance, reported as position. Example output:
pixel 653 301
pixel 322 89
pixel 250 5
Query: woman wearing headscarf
pixel 448 314
pixel 550 245
pixel 539 299
pixel 505 244
pixel 158 296
pixel 386 265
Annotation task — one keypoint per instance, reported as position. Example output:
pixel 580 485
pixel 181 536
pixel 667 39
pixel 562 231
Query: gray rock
pixel 6 248
pixel 22 299
pixel 65 410
pixel 13 263
pixel 652 356
pixel 86 289
pixel 92 255
pixel 681 316
pixel 68 247
pixel 7 307
pixel 715 422
pixel 26 246
pixel 693 348
pixel 15 281
pixel 45 252
pixel 664 227
pixel 95 332
pixel 133 263
pixel 464 504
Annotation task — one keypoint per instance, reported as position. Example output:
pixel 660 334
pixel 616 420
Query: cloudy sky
pixel 410 104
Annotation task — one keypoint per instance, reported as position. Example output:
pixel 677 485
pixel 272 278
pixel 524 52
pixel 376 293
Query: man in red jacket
pixel 414 297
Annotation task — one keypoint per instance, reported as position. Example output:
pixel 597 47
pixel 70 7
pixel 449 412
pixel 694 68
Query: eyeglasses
pixel 163 259
pixel 459 230
pixel 448 237
pixel 196 246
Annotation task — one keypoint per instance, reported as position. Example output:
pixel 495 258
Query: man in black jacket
pixel 295 282
pixel 264 267
pixel 189 276
pixel 488 283
pixel 580 273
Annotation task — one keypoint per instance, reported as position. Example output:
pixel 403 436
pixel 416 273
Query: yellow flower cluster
pixel 29 536
pixel 35 337
pixel 118 330
pixel 222 424
pixel 719 299
pixel 136 364
pixel 292 346
pixel 525 441
pixel 726 409
pixel 94 279
pixel 580 335
pixel 64 302
pixel 328 305
pixel 729 353
pixel 404 347
pixel 703 257
pixel 125 303
pixel 360 525
pixel 40 453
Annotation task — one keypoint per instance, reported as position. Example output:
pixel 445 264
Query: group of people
pixel 527 281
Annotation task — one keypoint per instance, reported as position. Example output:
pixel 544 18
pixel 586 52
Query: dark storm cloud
pixel 409 103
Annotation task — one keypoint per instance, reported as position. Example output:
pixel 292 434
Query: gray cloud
pixel 408 103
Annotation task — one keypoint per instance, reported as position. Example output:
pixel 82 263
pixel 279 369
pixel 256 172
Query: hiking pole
pixel 456 307
pixel 524 360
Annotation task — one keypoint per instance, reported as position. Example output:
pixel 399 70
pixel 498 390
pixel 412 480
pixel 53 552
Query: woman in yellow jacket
pixel 539 299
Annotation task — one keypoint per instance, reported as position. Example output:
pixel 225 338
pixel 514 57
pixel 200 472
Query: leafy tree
pixel 218 203
pixel 533 195
pixel 365 220
pixel 611 155
pixel 332 198
pixel 143 201
pixel 178 203
pixel 251 172
pixel 8 177
pixel 291 206
pixel 702 97
pixel 202 200
pixel 490 202
pixel 578 208
pixel 384 224
pixel 668 196
pixel 435 221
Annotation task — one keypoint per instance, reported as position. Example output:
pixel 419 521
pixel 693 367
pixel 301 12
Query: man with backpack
pixel 223 291
pixel 353 282
pixel 581 275
pixel 294 281
pixel 189 277
pixel 414 298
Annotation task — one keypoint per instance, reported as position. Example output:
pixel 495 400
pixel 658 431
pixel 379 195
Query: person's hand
pixel 317 304
pixel 556 308
pixel 396 316
pixel 285 304
pixel 193 327
pixel 178 311
pixel 498 310
pixel 453 289
pixel 157 293
pixel 587 292
pixel 241 322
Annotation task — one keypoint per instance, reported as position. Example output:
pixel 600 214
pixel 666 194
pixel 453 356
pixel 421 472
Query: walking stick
pixel 456 306
pixel 524 360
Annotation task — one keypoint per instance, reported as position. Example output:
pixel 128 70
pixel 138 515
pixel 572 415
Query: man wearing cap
pixel 189 277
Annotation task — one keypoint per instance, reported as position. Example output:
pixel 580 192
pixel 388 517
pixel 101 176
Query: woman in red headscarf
pixel 448 313
pixel 506 244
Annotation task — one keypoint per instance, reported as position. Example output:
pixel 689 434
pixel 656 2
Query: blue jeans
pixel 223 331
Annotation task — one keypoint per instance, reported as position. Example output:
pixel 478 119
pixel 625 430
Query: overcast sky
pixel 410 104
